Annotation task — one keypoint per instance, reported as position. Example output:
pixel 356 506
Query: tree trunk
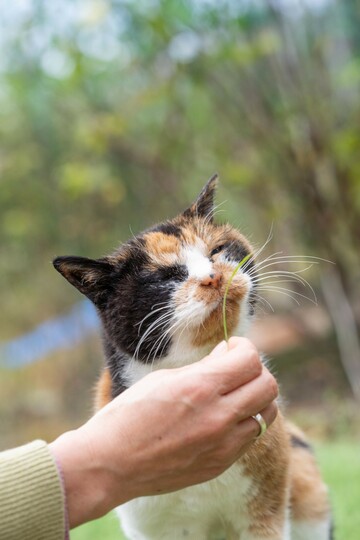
pixel 345 327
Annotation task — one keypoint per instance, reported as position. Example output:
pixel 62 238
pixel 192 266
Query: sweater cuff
pixel 66 515
pixel 32 502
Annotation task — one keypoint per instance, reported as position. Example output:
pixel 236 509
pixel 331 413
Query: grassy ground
pixel 340 464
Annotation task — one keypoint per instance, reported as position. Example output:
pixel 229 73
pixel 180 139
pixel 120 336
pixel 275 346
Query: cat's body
pixel 160 301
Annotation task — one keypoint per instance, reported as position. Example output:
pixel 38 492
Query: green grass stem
pixel 241 263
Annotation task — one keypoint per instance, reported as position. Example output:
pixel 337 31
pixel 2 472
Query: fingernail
pixel 222 347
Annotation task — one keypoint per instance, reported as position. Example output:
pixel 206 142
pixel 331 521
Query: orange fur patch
pixel 103 390
pixel 212 236
pixel 189 235
pixel 267 462
pixel 212 331
pixel 162 248
pixel 309 497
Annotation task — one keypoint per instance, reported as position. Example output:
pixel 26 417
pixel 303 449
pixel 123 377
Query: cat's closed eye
pixel 217 250
pixel 176 272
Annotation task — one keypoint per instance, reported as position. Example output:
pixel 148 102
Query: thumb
pixel 220 348
pixel 224 346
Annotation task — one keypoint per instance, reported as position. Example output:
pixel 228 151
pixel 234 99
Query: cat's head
pixel 168 283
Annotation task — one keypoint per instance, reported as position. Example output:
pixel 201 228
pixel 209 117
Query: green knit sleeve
pixel 31 495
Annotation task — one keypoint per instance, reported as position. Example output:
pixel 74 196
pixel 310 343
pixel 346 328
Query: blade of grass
pixel 241 263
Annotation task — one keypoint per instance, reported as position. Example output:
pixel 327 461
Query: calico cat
pixel 159 297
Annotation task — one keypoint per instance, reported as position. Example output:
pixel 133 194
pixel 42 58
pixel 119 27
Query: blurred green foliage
pixel 111 112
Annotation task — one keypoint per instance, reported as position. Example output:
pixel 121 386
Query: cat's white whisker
pixel 167 333
pixel 212 212
pixel 178 318
pixel 186 325
pixel 307 258
pixel 164 318
pixel 258 267
pixel 275 288
pixel 285 273
pixel 280 281
pixel 264 300
pixel 276 259
pixel 153 326
pixel 278 291
pixel 166 306
pixel 160 339
pixel 260 250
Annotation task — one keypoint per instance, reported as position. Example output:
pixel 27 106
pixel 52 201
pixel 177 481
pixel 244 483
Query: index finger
pixel 232 366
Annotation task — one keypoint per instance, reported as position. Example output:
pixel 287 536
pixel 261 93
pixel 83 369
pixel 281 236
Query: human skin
pixel 172 429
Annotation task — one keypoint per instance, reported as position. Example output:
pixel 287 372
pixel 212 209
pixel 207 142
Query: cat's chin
pixel 210 330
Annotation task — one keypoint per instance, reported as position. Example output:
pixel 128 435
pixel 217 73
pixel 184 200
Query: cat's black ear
pixel 90 277
pixel 203 206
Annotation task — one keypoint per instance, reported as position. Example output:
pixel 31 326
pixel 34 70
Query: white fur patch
pixel 192 312
pixel 244 317
pixel 311 530
pixel 181 353
pixel 200 512
pixel 198 264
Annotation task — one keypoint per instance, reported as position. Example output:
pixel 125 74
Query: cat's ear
pixel 203 206
pixel 90 277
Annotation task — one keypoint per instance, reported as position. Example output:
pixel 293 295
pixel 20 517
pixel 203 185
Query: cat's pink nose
pixel 212 280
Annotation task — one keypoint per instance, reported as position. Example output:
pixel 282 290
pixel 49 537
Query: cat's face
pixel 168 283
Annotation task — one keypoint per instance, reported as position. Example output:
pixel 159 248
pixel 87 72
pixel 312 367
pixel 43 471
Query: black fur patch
pixel 134 306
pixel 135 259
pixel 296 442
pixel 168 228
pixel 176 272
pixel 93 278
pixel 236 251
pixel 116 361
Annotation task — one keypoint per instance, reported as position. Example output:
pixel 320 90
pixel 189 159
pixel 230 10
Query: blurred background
pixel 113 114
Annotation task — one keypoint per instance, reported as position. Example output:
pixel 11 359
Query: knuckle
pixel 255 361
pixel 272 385
pixel 273 413
pixel 234 341
pixel 215 428
pixel 247 343
pixel 198 389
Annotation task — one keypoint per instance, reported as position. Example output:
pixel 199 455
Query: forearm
pixel 84 479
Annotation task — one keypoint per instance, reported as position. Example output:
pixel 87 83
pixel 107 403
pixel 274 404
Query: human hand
pixel 172 429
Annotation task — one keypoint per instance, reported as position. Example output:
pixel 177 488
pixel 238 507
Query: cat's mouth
pixel 235 293
pixel 200 306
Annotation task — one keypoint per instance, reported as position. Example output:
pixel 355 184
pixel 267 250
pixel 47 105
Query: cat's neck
pixel 126 370
pixel 180 353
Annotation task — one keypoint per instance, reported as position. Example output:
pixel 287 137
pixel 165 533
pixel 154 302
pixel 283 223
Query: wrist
pixel 84 478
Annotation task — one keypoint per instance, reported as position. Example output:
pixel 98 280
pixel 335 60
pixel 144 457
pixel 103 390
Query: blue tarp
pixel 48 337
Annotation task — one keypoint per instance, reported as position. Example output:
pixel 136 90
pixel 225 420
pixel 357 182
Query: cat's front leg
pixel 270 531
pixel 186 531
pixel 312 530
